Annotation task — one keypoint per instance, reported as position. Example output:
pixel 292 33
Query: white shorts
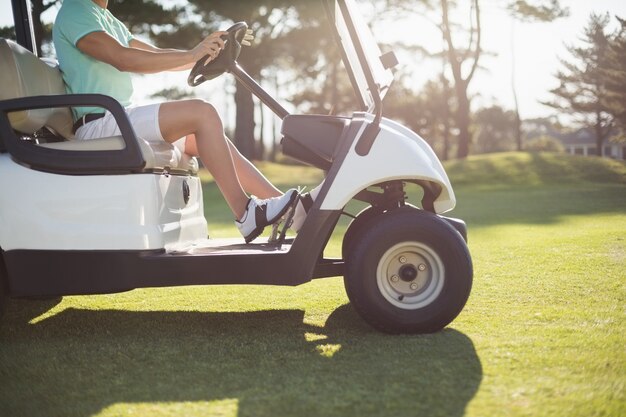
pixel 144 119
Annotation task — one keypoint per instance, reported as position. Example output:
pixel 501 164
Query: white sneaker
pixel 261 213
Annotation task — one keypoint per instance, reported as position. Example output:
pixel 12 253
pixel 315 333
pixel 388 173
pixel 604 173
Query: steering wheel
pixel 202 72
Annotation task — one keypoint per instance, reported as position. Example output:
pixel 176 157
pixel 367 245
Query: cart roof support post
pixel 22 17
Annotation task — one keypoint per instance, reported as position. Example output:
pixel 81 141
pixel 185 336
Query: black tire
pixel 3 286
pixel 356 226
pixel 410 272
pixel 2 301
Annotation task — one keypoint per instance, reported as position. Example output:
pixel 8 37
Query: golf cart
pixel 117 213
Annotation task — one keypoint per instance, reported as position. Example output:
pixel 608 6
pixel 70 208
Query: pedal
pixel 278 235
pixel 275 231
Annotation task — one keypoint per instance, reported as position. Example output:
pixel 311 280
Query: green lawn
pixel 543 333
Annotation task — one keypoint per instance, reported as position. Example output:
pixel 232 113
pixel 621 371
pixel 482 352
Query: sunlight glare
pixel 328 350
pixel 224 407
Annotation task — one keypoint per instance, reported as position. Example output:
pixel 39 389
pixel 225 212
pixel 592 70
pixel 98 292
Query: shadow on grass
pixel 80 362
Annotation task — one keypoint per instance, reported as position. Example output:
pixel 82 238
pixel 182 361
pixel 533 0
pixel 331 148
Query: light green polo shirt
pixel 83 74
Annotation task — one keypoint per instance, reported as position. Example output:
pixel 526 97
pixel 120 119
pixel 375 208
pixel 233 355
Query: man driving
pixel 97 55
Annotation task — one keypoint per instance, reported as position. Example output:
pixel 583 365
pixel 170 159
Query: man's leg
pixel 200 119
pixel 181 118
pixel 252 180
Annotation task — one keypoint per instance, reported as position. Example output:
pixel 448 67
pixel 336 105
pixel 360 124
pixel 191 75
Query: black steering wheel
pixel 202 72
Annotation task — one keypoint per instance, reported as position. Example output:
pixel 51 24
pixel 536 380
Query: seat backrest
pixel 22 74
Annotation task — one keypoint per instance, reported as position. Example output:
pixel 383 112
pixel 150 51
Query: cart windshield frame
pixel 360 53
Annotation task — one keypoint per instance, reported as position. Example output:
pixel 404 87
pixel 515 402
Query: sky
pixel 539 46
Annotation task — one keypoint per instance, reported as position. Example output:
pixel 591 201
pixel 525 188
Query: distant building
pixel 577 142
pixel 583 142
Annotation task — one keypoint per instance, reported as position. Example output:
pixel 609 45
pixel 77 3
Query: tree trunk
pixel 446 117
pixel 260 148
pixel 463 123
pixel 518 120
pixel 455 59
pixel 599 136
pixel 244 122
pixel 37 8
pixel 446 140
pixel 275 127
pixel 518 129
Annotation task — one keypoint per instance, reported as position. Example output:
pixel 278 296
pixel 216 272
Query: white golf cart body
pixel 113 214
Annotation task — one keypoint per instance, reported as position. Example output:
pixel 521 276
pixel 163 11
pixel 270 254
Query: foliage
pixel 295 55
pixel 582 88
pixel 427 112
pixel 147 17
pixel 614 73
pixel 544 144
pixel 495 130
pixel 172 93
pixel 288 36
pixel 461 53
pixel 463 60
pixel 545 11
pixel 43 32
pixel 7 32
pixel 530 12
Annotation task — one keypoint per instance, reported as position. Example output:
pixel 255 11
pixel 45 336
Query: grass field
pixel 543 333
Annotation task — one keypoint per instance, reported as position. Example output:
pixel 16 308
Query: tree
pixel 525 11
pixel 43 32
pixel 7 32
pixel 495 130
pixel 456 59
pixel 614 74
pixel 426 112
pixel 583 87
pixel 462 60
pixel 171 93
pixel 537 11
pixel 147 17
pixel 278 26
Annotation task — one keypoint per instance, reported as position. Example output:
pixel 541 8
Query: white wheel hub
pixel 410 275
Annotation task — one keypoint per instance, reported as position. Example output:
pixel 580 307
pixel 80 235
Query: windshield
pixel 362 55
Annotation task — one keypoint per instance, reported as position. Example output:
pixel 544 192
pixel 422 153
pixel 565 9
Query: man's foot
pixel 261 213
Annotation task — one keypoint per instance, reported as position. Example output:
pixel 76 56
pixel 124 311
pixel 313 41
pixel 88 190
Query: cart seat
pixel 22 74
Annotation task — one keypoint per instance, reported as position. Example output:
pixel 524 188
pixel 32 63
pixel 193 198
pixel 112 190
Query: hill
pixel 533 169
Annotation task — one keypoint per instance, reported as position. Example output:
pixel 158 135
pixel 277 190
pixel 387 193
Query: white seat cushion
pixel 157 155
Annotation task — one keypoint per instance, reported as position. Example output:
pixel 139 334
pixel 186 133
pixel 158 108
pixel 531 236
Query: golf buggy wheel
pixel 356 226
pixel 3 278
pixel 410 272
pixel 2 301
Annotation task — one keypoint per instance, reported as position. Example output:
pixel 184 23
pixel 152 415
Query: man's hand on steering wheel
pixel 219 52
pixel 212 45
pixel 247 38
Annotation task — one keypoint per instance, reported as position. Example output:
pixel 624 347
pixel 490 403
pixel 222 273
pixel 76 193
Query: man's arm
pixel 140 57
pixel 139 44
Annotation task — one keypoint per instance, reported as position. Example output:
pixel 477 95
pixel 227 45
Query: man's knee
pixel 203 108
